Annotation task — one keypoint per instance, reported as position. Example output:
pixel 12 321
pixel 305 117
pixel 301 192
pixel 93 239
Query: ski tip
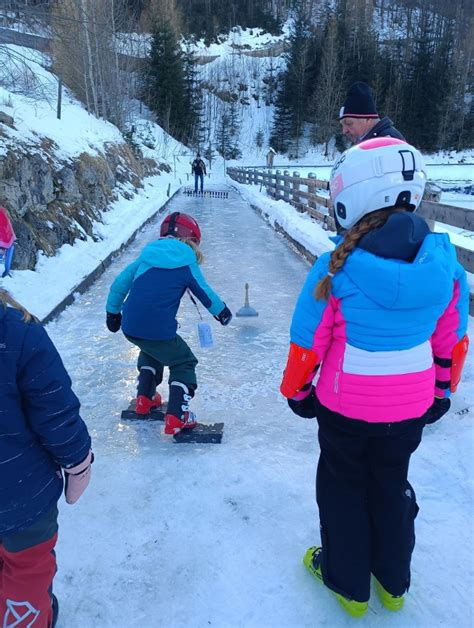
pixel 202 433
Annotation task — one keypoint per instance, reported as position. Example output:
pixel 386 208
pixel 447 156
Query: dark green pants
pixel 174 353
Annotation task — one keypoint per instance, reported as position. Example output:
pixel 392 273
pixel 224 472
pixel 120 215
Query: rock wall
pixel 52 202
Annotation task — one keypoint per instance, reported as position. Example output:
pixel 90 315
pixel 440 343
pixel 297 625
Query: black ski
pixel 202 433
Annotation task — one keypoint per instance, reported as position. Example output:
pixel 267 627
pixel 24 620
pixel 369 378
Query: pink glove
pixel 77 479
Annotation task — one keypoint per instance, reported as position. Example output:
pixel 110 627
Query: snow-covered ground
pixel 185 535
pixel 236 40
pixel 24 71
pixel 177 535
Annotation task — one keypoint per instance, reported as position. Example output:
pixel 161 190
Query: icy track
pixel 172 535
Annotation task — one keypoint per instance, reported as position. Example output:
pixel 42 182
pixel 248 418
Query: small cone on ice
pixel 247 310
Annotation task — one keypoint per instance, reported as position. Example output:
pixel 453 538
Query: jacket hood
pixel 398 284
pixel 399 238
pixel 168 253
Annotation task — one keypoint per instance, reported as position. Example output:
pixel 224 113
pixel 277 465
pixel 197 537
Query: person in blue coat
pixel 144 300
pixel 42 436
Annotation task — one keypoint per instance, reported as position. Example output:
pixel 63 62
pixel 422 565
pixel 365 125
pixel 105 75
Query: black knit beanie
pixel 359 103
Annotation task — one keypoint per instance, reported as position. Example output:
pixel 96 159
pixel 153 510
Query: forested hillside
pixel 416 55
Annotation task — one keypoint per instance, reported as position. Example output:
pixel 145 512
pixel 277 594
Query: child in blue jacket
pixel 41 436
pixel 144 300
pixel 382 319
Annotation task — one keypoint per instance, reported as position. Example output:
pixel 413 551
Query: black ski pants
pixel 367 507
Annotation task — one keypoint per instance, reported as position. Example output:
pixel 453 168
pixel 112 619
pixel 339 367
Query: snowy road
pixel 175 535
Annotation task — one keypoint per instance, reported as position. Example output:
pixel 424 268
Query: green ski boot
pixel 391 602
pixel 312 562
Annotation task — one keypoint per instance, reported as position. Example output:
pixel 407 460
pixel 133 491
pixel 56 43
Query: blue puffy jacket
pixel 385 337
pixel 155 284
pixel 40 427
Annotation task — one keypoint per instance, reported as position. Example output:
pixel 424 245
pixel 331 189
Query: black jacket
pixel 383 128
pixel 199 167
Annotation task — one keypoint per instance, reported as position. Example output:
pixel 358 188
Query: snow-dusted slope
pixel 29 95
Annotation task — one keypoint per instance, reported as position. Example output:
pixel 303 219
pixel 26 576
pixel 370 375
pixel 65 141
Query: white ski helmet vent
pixel 375 174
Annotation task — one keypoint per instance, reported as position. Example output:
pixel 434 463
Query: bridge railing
pixel 311 195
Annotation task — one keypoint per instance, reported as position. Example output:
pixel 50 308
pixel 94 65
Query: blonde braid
pixel 6 300
pixel 341 253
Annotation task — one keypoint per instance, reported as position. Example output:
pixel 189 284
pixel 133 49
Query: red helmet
pixel 180 225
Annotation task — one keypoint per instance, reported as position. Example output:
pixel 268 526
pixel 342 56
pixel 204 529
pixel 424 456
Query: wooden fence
pixel 311 195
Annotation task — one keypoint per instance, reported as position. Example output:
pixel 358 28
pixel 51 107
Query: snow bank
pixel 55 278
pixel 29 95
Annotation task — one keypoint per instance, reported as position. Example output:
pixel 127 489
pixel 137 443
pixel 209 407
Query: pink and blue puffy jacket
pixel 385 337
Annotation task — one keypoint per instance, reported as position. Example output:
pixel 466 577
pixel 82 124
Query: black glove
pixel 306 407
pixel 113 321
pixel 437 410
pixel 225 316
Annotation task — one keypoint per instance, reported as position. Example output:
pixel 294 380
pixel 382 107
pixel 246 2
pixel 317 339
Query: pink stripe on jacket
pixel 373 398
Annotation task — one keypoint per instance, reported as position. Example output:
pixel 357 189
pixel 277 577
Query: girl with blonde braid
pixel 383 318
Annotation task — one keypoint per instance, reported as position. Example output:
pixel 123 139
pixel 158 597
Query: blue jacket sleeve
pixel 121 287
pixel 204 292
pixel 311 326
pixel 51 408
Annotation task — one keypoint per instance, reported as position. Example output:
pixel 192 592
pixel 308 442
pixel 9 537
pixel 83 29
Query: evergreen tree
pixel 165 80
pixel 259 138
pixel 291 101
pixel 282 121
pixel 422 107
pixel 192 97
pixel 299 64
pixel 223 138
pixel 200 133
pixel 234 120
pixel 328 92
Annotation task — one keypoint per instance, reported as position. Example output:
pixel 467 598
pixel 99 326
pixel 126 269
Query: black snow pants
pixel 367 507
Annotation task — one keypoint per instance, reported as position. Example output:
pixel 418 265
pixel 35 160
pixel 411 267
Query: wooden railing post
pixel 278 181
pixel 286 185
pixel 312 190
pixel 296 189
pixel 271 179
pixel 265 179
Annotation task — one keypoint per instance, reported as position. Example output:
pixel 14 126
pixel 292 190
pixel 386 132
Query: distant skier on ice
pixel 198 168
pixel 383 318
pixel 148 293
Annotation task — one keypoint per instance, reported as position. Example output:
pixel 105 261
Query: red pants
pixel 26 576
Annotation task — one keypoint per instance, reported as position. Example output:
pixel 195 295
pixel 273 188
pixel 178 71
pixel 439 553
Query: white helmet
pixel 375 174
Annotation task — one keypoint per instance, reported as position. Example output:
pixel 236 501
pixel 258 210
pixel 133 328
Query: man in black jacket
pixel 199 170
pixel 359 118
